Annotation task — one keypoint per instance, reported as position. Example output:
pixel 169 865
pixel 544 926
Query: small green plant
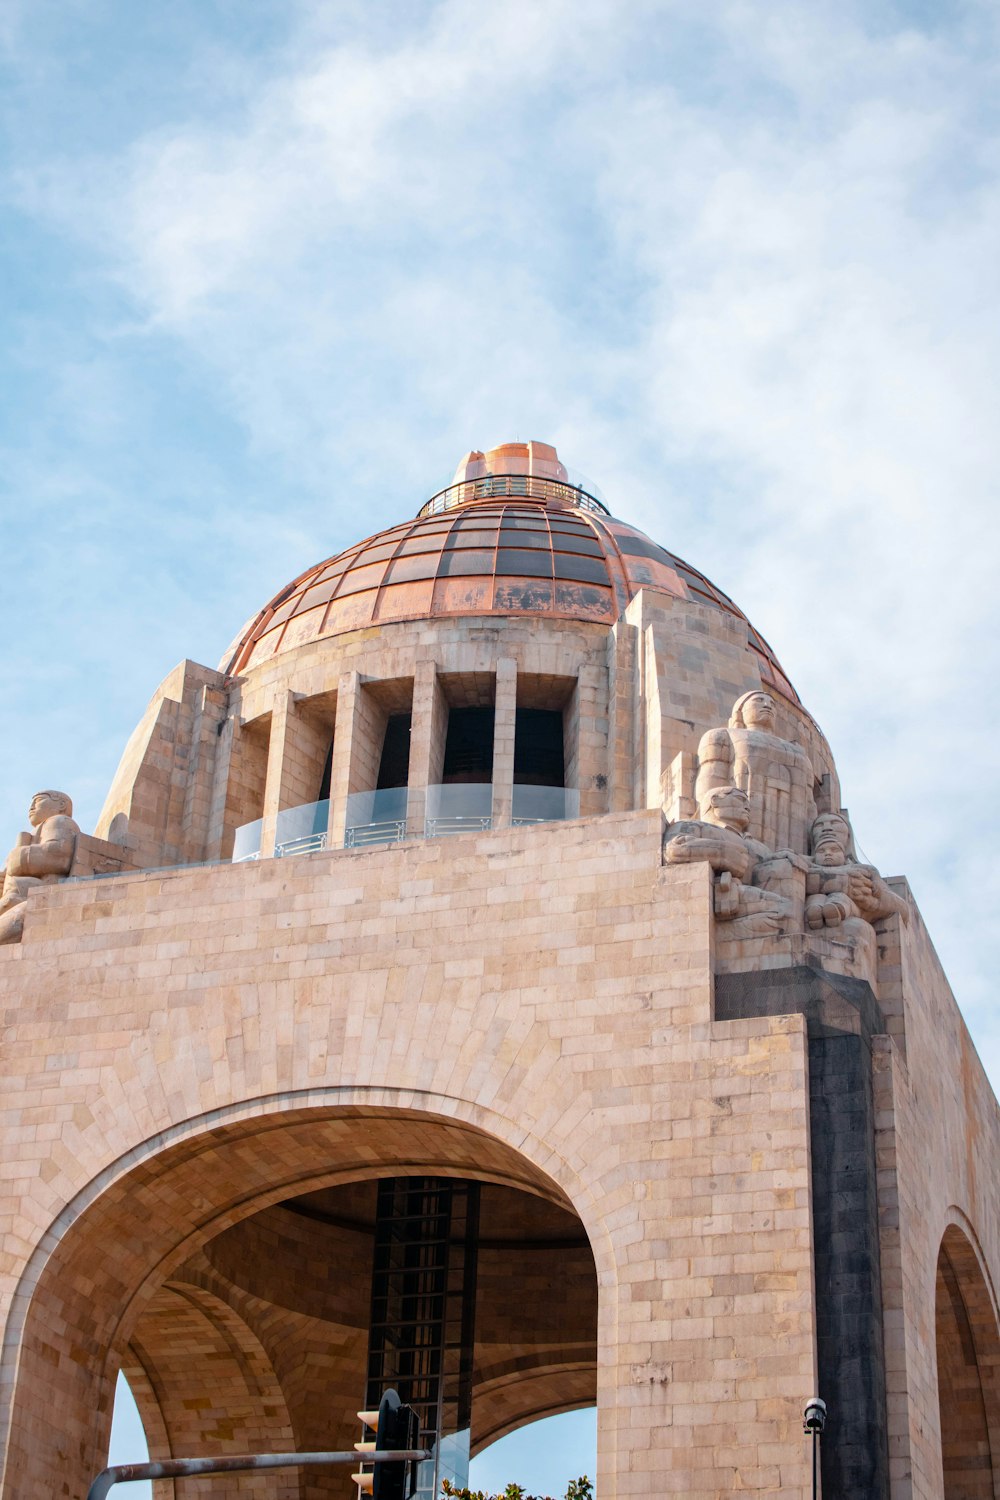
pixel 577 1489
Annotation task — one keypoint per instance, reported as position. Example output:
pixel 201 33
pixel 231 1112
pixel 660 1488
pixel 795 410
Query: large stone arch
pixel 968 1367
pixel 77 1309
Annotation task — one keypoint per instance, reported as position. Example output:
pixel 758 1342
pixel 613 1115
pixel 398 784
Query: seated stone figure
pixel 839 890
pixel 756 891
pixel 39 857
pixel 774 772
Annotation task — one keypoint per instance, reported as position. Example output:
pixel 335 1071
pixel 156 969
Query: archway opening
pixel 968 1362
pixel 238 1298
pixel 542 1456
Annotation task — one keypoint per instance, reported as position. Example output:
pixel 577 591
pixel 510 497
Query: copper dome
pixel 513 535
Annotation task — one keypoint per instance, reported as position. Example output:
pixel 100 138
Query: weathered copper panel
pixel 463 596
pixel 519 594
pixel 402 600
pixel 304 627
pixel 584 601
pixel 350 613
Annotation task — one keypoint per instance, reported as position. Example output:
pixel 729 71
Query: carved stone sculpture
pixel 839 890
pixel 40 857
pixel 775 773
pixel 756 891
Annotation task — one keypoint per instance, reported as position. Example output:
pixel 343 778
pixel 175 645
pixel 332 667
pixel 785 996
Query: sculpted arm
pixel 873 897
pixel 716 759
pixel 51 855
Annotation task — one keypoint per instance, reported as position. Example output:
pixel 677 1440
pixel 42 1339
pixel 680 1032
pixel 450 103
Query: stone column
pixel 428 732
pixel 504 725
pixel 591 702
pixel 280 715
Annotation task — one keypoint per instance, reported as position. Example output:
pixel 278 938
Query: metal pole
pixel 177 1468
pixel 815 1449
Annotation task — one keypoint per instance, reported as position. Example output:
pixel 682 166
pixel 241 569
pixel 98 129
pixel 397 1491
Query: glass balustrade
pixel 379 817
pixel 301 830
pixel 463 807
pixel 246 844
pixel 544 804
pixel 376 817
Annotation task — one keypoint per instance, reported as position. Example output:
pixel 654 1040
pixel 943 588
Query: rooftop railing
pixel 376 817
pixel 459 807
pixel 380 817
pixel 512 487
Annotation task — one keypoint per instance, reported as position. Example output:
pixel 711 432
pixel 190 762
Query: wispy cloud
pixel 740 264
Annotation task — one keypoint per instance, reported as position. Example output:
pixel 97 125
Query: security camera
pixel 814 1416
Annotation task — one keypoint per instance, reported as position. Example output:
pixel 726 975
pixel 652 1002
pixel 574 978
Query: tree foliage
pixel 577 1489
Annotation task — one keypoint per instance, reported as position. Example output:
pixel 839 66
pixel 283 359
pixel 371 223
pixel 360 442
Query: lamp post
pixel 813 1422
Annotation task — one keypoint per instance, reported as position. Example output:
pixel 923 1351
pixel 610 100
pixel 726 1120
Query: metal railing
pixel 435 828
pixel 308 843
pixel 391 831
pixel 377 817
pixel 512 487
pixel 177 1468
pixel 458 807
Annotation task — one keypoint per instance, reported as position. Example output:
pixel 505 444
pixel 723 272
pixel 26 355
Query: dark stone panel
pixel 841 1015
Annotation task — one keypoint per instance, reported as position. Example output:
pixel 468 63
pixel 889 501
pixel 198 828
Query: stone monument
pixel 385 961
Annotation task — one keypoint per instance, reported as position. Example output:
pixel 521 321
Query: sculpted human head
pixel 727 806
pixel 830 839
pixel 755 710
pixel 45 805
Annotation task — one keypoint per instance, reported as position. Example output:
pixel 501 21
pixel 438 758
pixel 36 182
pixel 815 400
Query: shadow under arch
pixel 105 1259
pixel 967 1339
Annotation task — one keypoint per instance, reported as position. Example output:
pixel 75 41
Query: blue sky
pixel 267 270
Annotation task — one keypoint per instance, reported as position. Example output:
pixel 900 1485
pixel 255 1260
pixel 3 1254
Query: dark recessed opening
pixel 324 783
pixel 538 747
pixel 468 750
pixel 394 766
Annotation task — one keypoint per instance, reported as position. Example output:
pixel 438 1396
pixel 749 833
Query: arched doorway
pixel 968 1364
pixel 228 1273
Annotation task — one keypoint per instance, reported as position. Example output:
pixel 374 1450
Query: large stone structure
pixel 734 1144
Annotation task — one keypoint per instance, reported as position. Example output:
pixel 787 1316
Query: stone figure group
pixel 779 866
pixel 40 857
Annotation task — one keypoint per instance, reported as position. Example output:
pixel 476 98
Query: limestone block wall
pixel 533 1006
pixel 938 1142
pixel 164 784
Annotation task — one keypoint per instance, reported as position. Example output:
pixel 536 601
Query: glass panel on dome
pixel 640 546
pixel 427 541
pixel 381 553
pixel 586 569
pixel 588 545
pixel 534 594
pixel 525 522
pixel 468 537
pixel 479 514
pixel 534 564
pixel 525 539
pixel 567 523
pixel 463 596
pixel 404 599
pixel 591 603
pixel 318 593
pixel 465 561
pixel 406 569
pixel 359 579
pixel 282 613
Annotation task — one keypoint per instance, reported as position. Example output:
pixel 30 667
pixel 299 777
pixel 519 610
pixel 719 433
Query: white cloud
pixel 739 263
